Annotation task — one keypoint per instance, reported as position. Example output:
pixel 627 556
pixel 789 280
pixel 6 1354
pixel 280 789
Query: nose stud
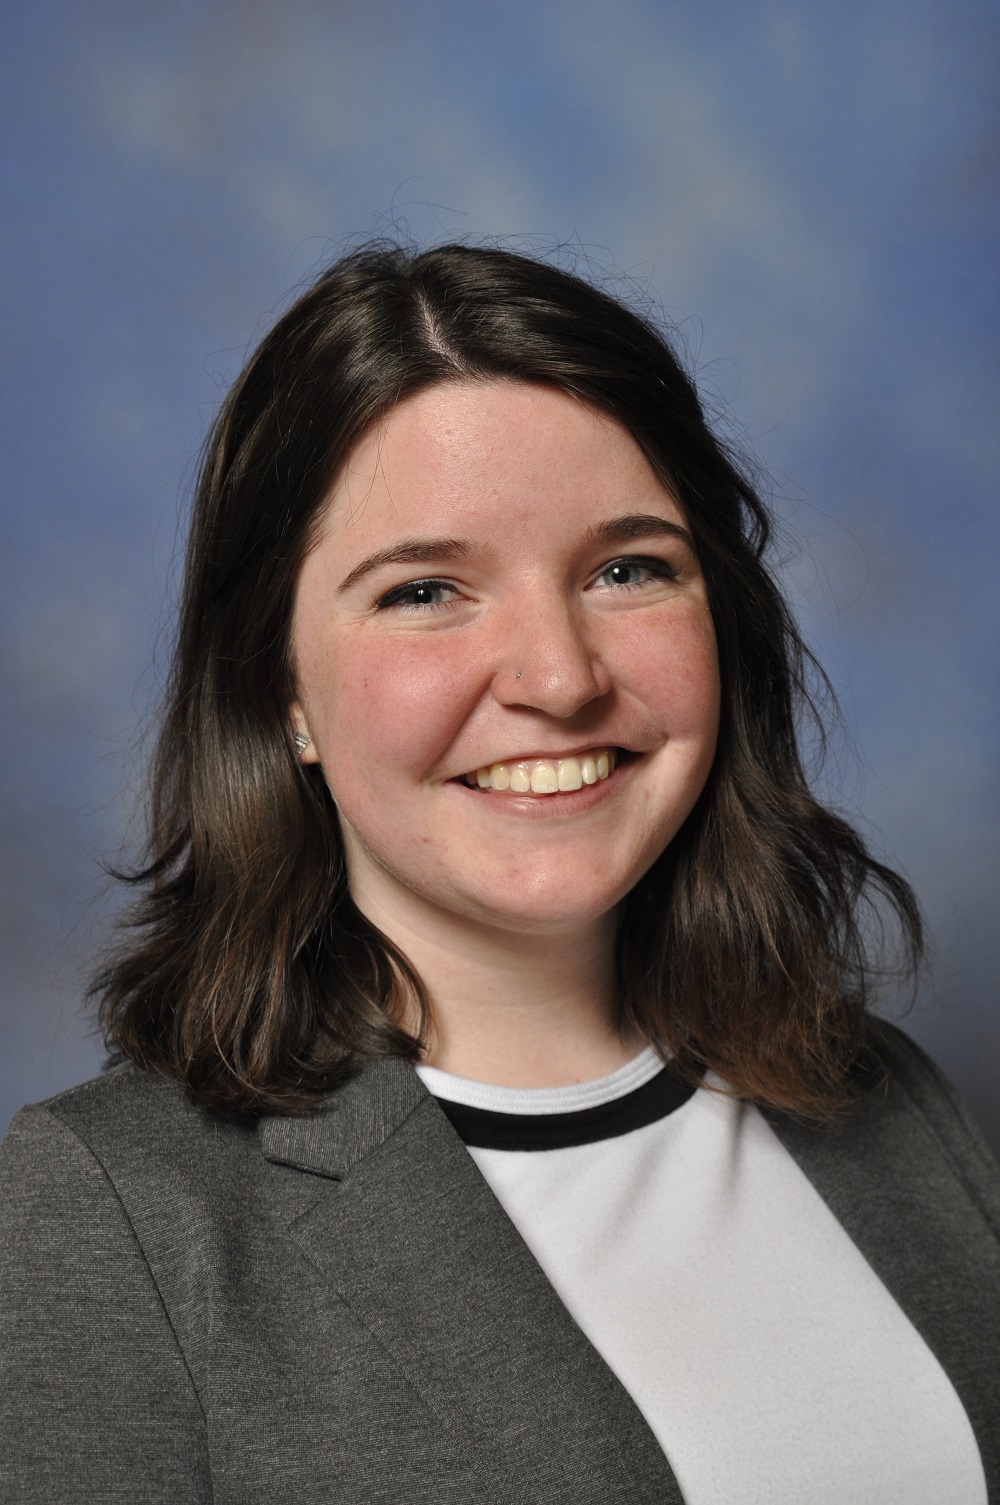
pixel 517 674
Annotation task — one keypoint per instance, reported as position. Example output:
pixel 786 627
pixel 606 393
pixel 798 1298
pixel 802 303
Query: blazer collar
pixel 348 1125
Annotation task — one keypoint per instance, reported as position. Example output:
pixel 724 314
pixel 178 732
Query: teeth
pixel 545 775
pixel 570 776
pixel 544 779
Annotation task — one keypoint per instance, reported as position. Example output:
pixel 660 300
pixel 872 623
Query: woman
pixel 477 799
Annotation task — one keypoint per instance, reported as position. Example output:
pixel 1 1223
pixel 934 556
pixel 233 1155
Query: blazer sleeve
pixel 96 1401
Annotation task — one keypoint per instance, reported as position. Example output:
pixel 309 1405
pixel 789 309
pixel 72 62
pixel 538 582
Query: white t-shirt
pixel 769 1360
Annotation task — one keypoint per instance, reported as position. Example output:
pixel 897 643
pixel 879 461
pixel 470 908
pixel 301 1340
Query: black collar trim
pixel 486 1129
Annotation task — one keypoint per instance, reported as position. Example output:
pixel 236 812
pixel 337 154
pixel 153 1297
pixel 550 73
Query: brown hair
pixel 245 970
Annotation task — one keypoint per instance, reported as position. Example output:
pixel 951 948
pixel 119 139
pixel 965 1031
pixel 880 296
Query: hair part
pixel 244 969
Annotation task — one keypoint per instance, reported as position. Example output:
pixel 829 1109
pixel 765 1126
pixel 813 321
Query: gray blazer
pixel 336 1308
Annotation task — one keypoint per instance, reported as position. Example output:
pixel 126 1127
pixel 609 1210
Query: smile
pixel 545 775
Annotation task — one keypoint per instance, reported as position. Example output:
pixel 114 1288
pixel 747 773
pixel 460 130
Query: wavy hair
pixel 244 970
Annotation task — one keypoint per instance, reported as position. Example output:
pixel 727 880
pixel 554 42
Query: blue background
pixel 808 189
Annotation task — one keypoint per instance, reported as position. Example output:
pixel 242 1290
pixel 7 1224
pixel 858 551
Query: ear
pixel 299 729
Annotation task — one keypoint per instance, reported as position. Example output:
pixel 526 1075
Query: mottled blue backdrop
pixel 808 189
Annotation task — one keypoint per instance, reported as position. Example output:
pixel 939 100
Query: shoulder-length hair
pixel 245 970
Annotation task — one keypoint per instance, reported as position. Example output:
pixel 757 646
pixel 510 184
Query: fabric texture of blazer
pixel 335 1307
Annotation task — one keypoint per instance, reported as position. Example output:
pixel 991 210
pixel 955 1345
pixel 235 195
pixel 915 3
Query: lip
pixel 552 806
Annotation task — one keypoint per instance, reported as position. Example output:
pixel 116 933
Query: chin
pixel 551 910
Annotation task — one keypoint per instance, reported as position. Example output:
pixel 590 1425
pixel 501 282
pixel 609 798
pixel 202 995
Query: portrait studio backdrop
pixel 807 190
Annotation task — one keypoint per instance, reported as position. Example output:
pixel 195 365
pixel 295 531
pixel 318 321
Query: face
pixel 503 600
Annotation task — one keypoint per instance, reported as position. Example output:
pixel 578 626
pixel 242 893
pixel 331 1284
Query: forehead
pixel 474 454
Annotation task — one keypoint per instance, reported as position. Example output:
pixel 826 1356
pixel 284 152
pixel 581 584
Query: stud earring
pixel 301 741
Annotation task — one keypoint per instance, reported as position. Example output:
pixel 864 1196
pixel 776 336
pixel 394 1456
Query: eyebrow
pixel 638 525
pixel 410 551
pixel 617 530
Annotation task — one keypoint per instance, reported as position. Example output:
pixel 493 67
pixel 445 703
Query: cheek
pixel 389 710
pixel 696 675
pixel 673 667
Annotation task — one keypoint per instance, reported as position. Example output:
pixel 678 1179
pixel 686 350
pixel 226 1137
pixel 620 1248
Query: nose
pixel 547 664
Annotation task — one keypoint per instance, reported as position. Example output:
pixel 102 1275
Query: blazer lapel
pixel 417 1245
pixel 896 1185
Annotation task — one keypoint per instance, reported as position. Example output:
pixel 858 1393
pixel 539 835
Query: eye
pixel 631 573
pixel 416 595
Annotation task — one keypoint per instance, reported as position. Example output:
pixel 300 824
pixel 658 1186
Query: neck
pixel 513 1008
